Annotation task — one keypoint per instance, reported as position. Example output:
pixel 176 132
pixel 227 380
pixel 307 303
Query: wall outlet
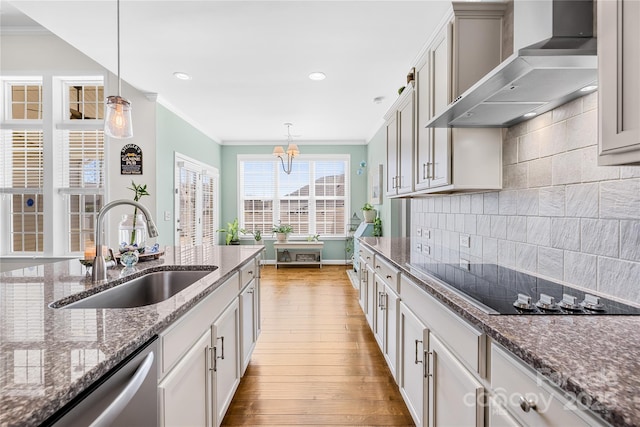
pixel 419 247
pixel 426 233
pixel 419 232
pixel 465 264
pixel 167 215
pixel 465 240
pixel 426 249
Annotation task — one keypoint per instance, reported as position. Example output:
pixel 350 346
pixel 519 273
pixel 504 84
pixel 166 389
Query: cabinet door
pixel 422 166
pixel 391 301
pixel 185 393
pixel 392 156
pixel 362 288
pixel 440 58
pixel 456 397
pixel 226 359
pixel 379 318
pixel 371 298
pixel 413 335
pixel 619 80
pixel 406 127
pixel 248 323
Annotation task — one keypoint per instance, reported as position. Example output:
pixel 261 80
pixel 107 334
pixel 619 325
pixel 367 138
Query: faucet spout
pixel 99 269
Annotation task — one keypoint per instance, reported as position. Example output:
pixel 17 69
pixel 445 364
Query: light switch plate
pixel 464 264
pixel 426 249
pixel 426 233
pixel 465 240
pixel 167 215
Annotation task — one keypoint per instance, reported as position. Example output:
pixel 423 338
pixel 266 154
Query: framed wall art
pixel 375 185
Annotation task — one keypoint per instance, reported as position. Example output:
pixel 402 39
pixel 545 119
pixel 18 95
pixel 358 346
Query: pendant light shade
pixel 292 151
pixel 118 118
pixel 117 122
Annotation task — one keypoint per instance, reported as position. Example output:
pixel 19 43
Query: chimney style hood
pixel 540 76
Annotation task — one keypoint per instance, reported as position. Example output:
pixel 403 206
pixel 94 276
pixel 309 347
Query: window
pixel 313 198
pixel 70 150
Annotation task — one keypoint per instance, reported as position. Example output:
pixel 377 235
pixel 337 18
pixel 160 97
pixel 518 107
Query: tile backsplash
pixel 559 215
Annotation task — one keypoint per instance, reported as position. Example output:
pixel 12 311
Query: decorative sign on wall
pixel 131 160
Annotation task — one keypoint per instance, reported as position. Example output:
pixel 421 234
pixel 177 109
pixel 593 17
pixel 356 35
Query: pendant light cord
pixel 118 41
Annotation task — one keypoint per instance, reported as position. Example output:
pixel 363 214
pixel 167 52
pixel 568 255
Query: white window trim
pixel 276 208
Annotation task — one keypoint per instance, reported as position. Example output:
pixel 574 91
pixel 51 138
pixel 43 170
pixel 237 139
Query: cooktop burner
pixel 500 290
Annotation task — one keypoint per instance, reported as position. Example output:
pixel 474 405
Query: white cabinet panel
pixel 226 359
pixel 413 340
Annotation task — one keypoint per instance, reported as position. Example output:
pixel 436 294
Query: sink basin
pixel 148 289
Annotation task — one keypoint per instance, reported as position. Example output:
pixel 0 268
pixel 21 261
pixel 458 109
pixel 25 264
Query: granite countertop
pixel 49 355
pixel 595 359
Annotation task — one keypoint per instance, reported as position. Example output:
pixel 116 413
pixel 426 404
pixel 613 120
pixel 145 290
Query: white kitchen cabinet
pixel 413 337
pixel 400 141
pixel 226 359
pixel 619 82
pixel 185 393
pixel 249 310
pixel 531 398
pixel 456 398
pixel 386 318
pixel 458 55
pixel 370 299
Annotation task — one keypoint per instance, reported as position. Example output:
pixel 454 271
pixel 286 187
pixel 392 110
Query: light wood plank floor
pixel 317 361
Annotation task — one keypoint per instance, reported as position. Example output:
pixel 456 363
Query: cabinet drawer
pixel 176 340
pixel 248 272
pixel 465 341
pixel 388 273
pixel 366 255
pixel 512 380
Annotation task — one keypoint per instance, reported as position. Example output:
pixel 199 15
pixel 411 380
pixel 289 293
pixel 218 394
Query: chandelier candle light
pixel 117 123
pixel 292 151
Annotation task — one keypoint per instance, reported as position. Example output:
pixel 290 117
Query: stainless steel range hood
pixel 536 79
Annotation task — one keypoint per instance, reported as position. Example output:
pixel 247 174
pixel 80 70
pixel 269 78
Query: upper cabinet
pixel 423 160
pixel 619 81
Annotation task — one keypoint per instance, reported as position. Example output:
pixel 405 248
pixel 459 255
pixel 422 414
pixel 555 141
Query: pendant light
pixel 117 123
pixel 292 151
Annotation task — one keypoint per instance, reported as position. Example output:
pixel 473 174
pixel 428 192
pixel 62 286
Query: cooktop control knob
pixel 592 302
pixel 523 302
pixel 569 302
pixel 547 303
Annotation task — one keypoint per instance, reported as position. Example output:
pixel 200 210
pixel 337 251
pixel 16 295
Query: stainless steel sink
pixel 148 289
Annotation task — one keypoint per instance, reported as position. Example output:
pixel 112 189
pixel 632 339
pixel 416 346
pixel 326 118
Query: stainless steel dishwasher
pixel 126 396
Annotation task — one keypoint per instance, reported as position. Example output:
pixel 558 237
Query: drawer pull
pixel 527 404
pixel 388 276
pixel 378 267
pixel 250 272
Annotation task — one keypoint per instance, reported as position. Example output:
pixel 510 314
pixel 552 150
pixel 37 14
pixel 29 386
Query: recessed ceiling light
pixel 317 75
pixel 378 99
pixel 182 76
pixel 530 114
pixel 589 88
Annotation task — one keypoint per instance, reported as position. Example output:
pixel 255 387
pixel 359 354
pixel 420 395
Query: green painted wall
pixel 333 249
pixel 176 135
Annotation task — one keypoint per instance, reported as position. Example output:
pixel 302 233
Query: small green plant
pixel 139 191
pixel 257 234
pixel 232 232
pixel 313 238
pixel 367 207
pixel 377 227
pixel 282 228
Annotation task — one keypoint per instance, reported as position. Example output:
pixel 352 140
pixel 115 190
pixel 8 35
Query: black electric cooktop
pixel 500 290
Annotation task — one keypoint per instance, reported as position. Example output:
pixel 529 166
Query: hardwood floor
pixel 317 361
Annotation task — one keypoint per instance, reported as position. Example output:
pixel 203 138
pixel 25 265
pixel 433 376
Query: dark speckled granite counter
pixel 48 355
pixel 593 358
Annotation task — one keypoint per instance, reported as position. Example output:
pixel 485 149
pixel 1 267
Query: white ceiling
pixel 250 60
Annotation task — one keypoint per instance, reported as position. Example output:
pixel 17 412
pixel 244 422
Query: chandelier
pixel 292 151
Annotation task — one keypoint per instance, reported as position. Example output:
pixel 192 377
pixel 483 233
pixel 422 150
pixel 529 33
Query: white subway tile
pixel 580 269
pixel 630 240
pixel 477 202
pixel 582 200
pixel 565 233
pixel 539 230
pixel 600 237
pixel 620 199
pixel 506 253
pixel 552 201
pixel 619 278
pixel 491 203
pixel 517 228
pixel 539 172
pixel 566 168
pixel 553 139
pixel 484 225
pixel 551 262
pixel 507 202
pixel 527 202
pixel 526 257
pixel 582 130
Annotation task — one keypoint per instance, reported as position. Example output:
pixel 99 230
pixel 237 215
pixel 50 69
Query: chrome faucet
pixel 99 269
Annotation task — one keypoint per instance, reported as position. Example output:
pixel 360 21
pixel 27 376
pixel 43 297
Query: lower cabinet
pixel 185 393
pixel 226 359
pixel 205 352
pixel 249 303
pixel 412 336
pixel 456 398
pixel 386 322
pixel 370 300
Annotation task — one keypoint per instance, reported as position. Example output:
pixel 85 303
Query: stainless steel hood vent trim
pixel 536 79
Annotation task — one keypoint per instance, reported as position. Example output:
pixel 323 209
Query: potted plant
pixel 369 212
pixel 232 231
pixel 377 227
pixel 257 235
pixel 282 231
pixel 133 229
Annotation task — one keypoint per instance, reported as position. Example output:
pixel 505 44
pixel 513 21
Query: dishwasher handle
pixel 114 409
